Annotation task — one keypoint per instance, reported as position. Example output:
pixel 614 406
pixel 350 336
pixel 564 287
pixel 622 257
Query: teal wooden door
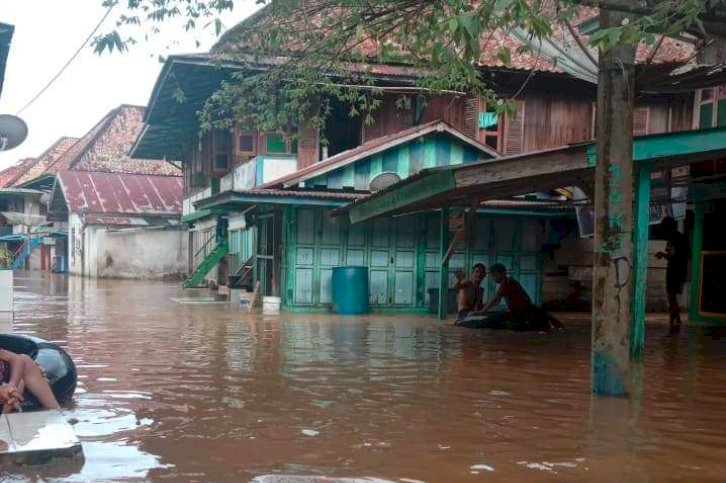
pixel 404 261
pixel 330 254
pixel 379 262
pixel 304 257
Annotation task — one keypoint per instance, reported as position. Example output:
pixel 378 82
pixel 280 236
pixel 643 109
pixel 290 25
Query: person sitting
pixel 468 296
pixel 19 372
pixel 522 313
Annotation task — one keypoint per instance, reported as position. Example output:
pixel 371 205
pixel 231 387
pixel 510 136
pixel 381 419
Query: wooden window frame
pixel 216 151
pixel 482 134
pixel 255 143
pixel 286 138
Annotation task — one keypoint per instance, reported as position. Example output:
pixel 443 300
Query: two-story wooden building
pixel 257 204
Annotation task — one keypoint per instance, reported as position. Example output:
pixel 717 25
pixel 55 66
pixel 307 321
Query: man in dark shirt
pixel 677 252
pixel 522 313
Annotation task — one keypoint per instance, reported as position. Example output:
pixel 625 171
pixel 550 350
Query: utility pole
pixel 613 258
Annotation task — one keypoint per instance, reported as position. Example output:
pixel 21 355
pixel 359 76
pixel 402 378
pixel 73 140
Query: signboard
pixel 48 240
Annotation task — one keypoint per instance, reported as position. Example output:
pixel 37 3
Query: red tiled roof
pixel 372 147
pixel 46 159
pixel 317 20
pixel 10 176
pixel 119 194
pixel 105 148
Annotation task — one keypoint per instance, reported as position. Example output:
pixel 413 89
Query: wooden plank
pixel 37 437
pixel 348 180
pixel 458 236
pixel 518 168
pixel 430 152
pixel 406 195
pixel 640 262
pixel 256 298
pixel 444 272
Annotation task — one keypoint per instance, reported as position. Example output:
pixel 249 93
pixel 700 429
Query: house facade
pixel 98 213
pixel 258 205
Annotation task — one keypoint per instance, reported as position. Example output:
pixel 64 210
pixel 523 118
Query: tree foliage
pixel 314 51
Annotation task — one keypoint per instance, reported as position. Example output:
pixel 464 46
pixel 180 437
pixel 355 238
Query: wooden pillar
pixel 699 211
pixel 640 264
pixel 444 272
pixel 613 257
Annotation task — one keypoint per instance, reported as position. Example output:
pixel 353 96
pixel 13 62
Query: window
pixel 712 108
pixel 277 143
pixel 246 143
pixel 221 150
pixel 490 127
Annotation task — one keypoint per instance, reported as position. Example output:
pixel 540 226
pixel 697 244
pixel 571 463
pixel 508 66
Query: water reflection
pixel 194 392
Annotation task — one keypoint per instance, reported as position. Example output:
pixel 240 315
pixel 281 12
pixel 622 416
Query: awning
pixel 235 200
pixel 464 185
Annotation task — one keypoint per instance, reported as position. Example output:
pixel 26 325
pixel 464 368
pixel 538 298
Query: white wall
pixel 138 253
pixel 75 244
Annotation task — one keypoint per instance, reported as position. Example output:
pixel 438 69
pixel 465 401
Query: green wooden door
pixel 380 262
pixel 404 261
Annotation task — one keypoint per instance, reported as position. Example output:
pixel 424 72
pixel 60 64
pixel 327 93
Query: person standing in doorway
pixel 678 253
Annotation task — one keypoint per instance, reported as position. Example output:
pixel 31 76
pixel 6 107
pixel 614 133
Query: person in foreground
pixel 678 253
pixel 18 373
pixel 522 313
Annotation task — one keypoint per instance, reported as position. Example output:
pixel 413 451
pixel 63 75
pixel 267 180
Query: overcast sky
pixel 47 33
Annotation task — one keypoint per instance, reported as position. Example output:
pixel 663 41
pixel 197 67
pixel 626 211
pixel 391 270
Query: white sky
pixel 47 32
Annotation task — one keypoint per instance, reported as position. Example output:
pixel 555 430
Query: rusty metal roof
pixel 119 194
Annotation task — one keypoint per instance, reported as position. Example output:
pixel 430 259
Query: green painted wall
pixel 402 254
pixel 405 160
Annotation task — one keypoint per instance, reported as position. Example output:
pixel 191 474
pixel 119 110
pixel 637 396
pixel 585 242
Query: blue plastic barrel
pixel 350 290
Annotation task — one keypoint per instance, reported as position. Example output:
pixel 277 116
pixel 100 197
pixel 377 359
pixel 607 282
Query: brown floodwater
pixel 174 391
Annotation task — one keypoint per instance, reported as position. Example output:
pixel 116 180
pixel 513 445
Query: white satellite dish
pixel 13 132
pixel 383 181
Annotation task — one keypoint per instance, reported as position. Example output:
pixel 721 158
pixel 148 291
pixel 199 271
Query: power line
pixel 73 57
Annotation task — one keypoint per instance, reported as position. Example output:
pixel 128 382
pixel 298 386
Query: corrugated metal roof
pixel 306 194
pixel 117 194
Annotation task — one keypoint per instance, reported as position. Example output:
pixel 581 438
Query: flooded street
pixel 173 391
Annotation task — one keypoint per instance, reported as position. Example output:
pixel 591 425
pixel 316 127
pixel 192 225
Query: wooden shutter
pixel 308 145
pixel 641 121
pixel 514 130
pixel 471 117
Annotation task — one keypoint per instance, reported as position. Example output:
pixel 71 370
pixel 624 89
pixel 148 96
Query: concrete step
pixel 36 438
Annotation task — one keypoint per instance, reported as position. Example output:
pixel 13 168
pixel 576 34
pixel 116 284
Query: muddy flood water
pixel 174 391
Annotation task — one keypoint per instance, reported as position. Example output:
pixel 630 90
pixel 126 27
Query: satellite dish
pixel 45 198
pixel 13 132
pixel 383 181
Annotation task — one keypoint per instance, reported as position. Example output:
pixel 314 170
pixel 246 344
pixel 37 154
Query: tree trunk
pixel 612 281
